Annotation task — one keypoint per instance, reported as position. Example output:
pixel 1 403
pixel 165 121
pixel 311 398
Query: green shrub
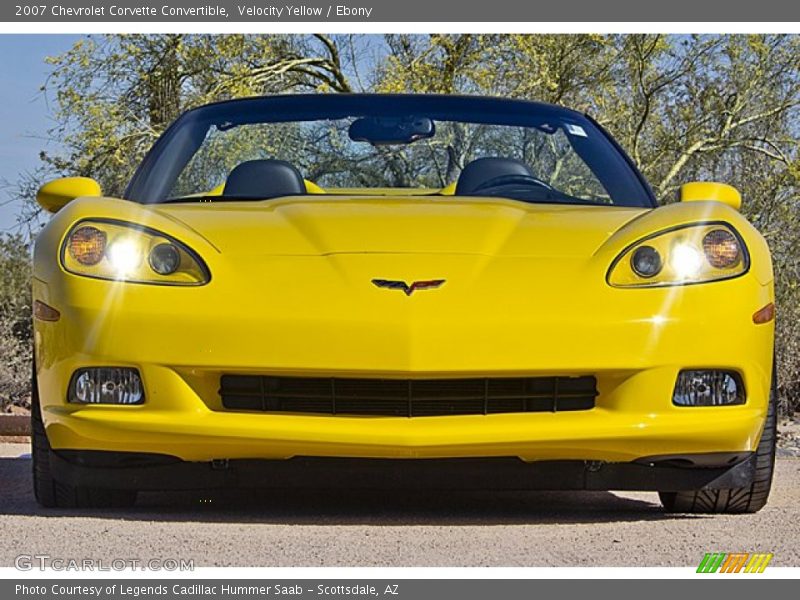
pixel 15 321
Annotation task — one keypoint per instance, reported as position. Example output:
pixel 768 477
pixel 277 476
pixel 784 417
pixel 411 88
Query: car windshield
pixel 263 148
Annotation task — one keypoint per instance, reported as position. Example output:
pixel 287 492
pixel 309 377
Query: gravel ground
pixel 390 529
pixel 789 438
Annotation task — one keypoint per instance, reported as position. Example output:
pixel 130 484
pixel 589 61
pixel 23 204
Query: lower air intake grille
pixel 407 397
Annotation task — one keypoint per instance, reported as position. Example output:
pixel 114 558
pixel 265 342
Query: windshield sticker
pixel 576 130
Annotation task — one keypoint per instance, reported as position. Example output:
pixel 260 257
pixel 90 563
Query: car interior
pixel 272 178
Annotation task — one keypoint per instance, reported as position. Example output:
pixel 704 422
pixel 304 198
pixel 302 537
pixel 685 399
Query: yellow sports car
pixel 400 290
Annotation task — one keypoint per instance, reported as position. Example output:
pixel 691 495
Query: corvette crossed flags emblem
pixel 391 284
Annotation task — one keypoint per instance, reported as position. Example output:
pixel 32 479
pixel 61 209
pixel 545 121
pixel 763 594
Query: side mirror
pixel 54 195
pixel 709 190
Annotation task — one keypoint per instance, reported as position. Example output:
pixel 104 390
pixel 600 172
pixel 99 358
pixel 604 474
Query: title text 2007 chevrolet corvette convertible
pixel 389 290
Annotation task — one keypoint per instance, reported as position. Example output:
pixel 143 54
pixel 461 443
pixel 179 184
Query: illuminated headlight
pixel 126 252
pixel 106 385
pixel 687 254
pixel 124 256
pixel 685 260
pixel 708 388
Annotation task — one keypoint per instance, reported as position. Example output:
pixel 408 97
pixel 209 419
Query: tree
pixel 114 95
pixel 15 321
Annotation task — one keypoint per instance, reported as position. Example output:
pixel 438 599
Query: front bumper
pixel 183 339
pixel 152 472
pixel 628 423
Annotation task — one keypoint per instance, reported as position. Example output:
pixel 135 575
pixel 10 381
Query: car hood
pixel 327 226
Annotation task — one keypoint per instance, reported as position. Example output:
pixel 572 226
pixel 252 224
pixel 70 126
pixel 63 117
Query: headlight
pixel 126 252
pixel 688 254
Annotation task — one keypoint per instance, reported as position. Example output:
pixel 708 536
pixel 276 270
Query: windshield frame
pixel 156 169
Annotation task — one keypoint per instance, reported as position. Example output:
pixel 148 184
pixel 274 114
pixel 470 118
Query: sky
pixel 24 113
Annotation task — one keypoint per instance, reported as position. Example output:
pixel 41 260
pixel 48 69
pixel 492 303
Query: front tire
pixel 749 499
pixel 50 493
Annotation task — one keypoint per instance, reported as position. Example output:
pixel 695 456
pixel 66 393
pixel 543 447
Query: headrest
pixel 267 178
pixel 485 169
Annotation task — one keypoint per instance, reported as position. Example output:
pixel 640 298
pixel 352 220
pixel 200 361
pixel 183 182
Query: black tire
pixel 735 500
pixel 50 493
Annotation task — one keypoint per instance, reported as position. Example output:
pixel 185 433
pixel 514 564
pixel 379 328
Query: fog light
pixel 708 388
pixel 106 385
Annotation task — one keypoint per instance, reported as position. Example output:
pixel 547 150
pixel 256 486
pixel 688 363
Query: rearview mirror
pixel 708 190
pixel 53 196
pixel 385 131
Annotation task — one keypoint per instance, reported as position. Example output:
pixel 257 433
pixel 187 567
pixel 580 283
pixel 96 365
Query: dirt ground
pixel 391 529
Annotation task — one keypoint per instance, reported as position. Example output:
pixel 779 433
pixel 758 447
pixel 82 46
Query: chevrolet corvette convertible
pixel 399 291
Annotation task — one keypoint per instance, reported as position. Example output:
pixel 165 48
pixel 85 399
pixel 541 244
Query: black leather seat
pixel 267 178
pixel 485 169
